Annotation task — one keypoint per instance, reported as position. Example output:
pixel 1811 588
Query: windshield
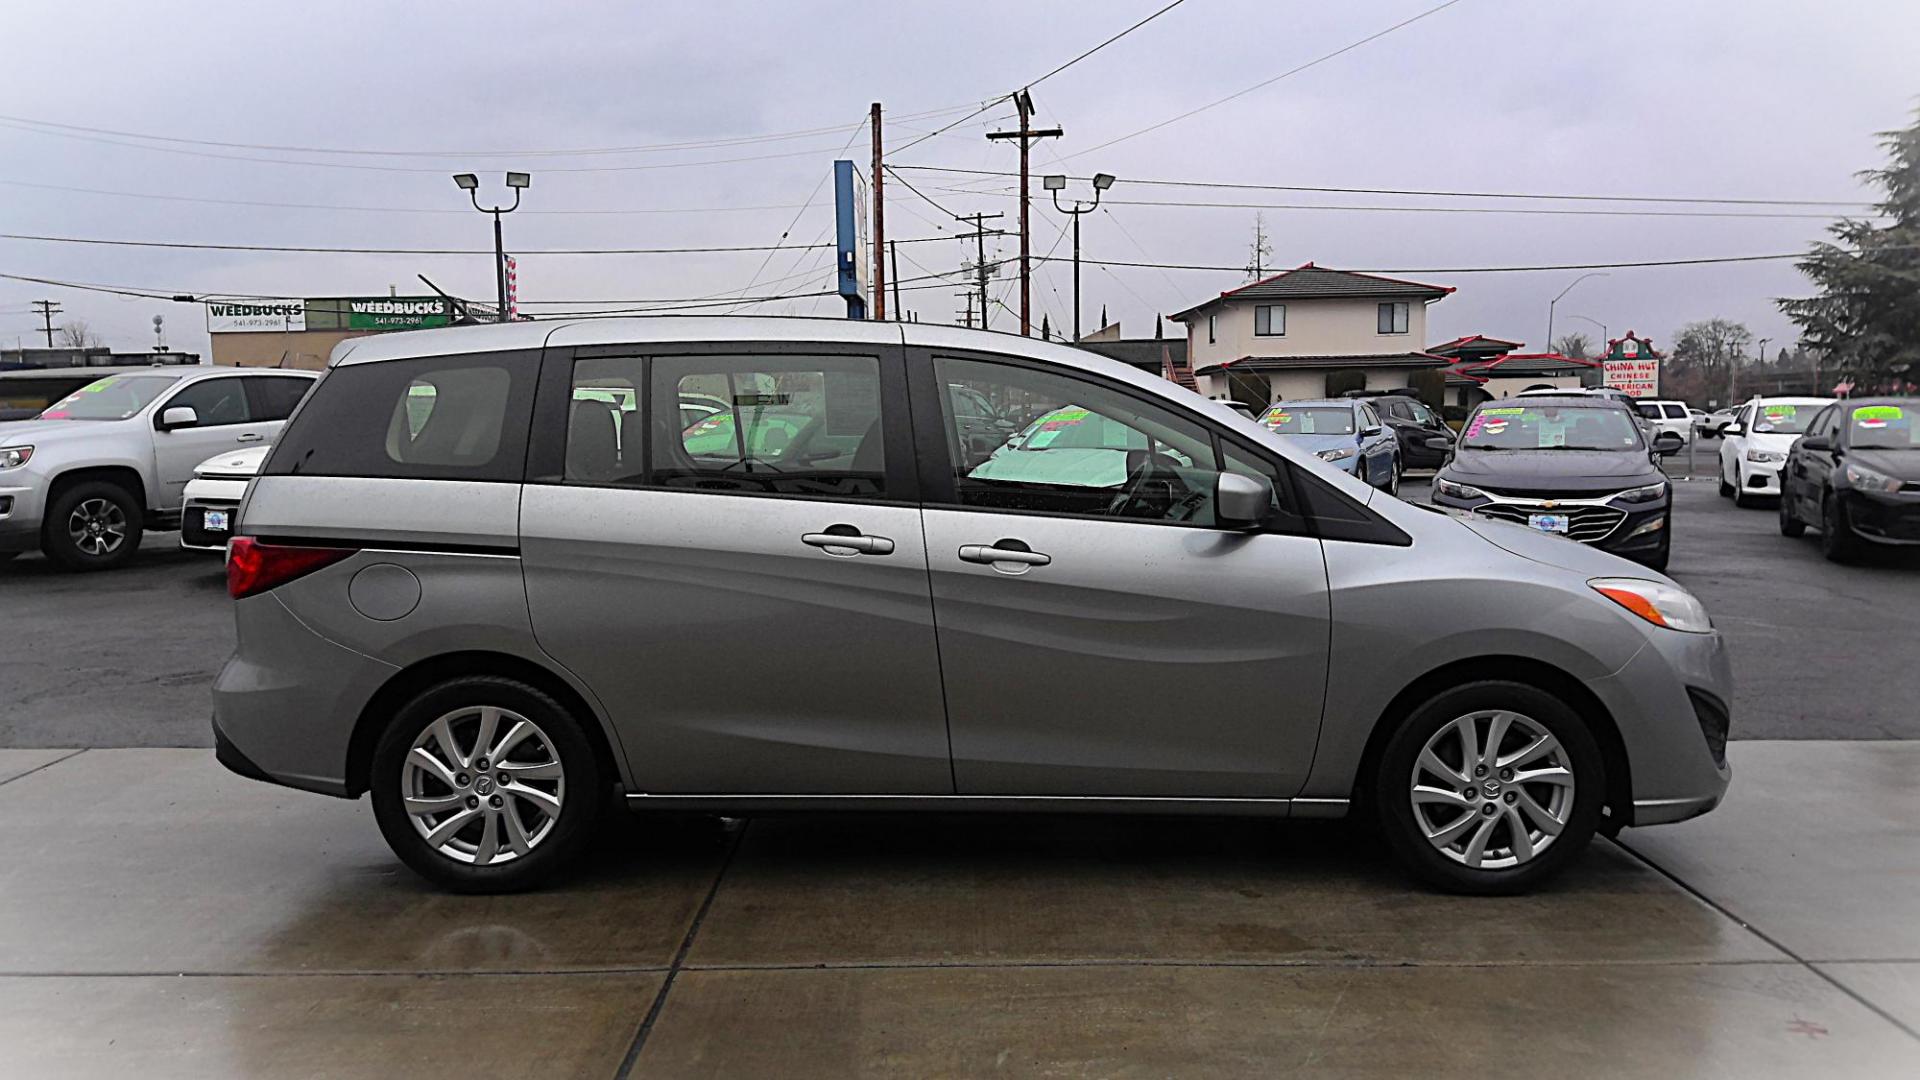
pixel 1551 427
pixel 1778 418
pixel 1310 420
pixel 1885 427
pixel 115 397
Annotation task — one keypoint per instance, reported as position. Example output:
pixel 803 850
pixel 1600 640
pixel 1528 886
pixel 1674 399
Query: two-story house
pixel 1280 338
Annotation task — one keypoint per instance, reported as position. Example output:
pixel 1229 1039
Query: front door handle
pixel 250 437
pixel 846 541
pixel 1004 556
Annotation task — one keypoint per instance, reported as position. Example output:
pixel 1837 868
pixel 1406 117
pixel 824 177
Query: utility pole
pixel 1261 250
pixel 967 295
pixel 48 309
pixel 1023 104
pixel 879 220
pixel 981 271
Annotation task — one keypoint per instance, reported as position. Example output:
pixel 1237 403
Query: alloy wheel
pixel 97 527
pixel 483 785
pixel 1492 790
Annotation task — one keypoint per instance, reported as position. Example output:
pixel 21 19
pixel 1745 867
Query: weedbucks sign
pixel 398 312
pixel 240 318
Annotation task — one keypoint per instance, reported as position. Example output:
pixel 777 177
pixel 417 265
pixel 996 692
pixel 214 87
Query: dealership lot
pixel 1776 936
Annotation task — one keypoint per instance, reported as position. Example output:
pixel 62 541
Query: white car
pixel 1714 423
pixel 1757 442
pixel 1667 416
pixel 213 498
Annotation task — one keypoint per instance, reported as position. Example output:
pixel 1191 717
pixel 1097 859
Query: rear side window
pixel 1675 412
pixel 435 418
pixel 273 397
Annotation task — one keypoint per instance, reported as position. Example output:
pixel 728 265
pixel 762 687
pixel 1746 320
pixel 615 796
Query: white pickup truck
pixel 85 478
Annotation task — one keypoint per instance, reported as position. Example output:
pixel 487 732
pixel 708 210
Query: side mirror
pixel 180 416
pixel 1439 442
pixel 1733 429
pixel 1242 502
pixel 1817 442
pixel 1368 433
pixel 1667 442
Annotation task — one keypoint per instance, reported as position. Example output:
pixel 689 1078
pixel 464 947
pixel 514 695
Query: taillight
pixel 254 567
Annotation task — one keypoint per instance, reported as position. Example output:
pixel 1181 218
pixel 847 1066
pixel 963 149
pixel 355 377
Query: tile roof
pixel 1310 282
pixel 1327 360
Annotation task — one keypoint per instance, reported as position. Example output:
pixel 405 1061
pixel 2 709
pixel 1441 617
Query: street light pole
pixel 1556 300
pixel 519 182
pixel 1604 339
pixel 1057 184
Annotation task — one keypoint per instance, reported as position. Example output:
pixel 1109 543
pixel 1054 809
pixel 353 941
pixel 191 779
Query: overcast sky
pixel 1720 98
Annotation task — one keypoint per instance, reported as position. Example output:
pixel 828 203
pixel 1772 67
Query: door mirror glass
pixel 1241 501
pixel 1668 441
pixel 179 416
pixel 1733 429
pixel 1369 432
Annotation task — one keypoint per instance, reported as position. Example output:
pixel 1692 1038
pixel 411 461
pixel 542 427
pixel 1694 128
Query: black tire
pixel 8 556
pixel 1740 497
pixel 586 785
pixel 1393 475
pixel 110 500
pixel 1837 540
pixel 1726 488
pixel 1394 807
pixel 1790 526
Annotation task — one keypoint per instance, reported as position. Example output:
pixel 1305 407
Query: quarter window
pixel 792 425
pixel 1270 320
pixel 273 397
pixel 605 428
pixel 1393 318
pixel 1076 447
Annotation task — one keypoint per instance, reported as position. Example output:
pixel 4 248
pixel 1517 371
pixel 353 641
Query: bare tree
pixel 1574 344
pixel 1260 252
pixel 76 334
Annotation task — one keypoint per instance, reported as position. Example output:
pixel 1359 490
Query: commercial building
pixel 302 333
pixel 28 359
pixel 1310 332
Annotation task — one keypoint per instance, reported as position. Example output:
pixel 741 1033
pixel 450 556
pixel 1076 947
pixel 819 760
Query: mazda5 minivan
pixel 493 575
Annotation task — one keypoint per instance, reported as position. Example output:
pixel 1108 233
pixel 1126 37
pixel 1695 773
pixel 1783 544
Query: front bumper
pixel 1883 519
pixel 1760 477
pixel 21 508
pixel 1676 767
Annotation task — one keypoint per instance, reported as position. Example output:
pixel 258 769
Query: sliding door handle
pixel 994 554
pixel 847 543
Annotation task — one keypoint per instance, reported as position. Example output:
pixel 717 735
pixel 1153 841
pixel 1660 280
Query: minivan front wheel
pixel 1490 788
pixel 485 784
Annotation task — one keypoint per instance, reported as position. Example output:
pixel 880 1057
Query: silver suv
pixel 112 459
pixel 490 574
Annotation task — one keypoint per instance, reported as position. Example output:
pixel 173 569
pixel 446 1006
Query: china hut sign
pixel 1632 364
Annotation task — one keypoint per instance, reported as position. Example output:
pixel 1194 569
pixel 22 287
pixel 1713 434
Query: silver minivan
pixel 492 575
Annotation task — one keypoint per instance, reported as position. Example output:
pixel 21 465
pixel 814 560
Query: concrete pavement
pixel 161 916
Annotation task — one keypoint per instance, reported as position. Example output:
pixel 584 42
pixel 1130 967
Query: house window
pixel 1210 328
pixel 1393 318
pixel 1270 320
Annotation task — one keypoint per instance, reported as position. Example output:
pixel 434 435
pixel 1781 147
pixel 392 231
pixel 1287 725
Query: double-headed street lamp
pixel 1057 184
pixel 470 184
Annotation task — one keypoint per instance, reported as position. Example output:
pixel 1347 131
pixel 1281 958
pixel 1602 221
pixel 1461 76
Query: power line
pixel 1582 197
pixel 1490 269
pixel 923 195
pixel 30 123
pixel 1104 44
pixel 332 207
pixel 1477 210
pixel 288 248
pixel 1315 62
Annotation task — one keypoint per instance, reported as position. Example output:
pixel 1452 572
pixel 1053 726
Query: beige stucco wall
pixel 307 349
pixel 1314 328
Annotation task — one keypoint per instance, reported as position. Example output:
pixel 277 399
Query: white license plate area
pixel 216 521
pixel 1548 523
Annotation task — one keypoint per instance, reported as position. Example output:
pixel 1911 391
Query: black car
pixel 1579 466
pixel 1415 426
pixel 1855 475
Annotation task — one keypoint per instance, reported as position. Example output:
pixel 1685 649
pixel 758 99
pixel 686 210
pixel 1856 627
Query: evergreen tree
pixel 1866 320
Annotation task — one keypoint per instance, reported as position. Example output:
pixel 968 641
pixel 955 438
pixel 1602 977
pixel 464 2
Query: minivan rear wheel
pixel 1490 788
pixel 483 784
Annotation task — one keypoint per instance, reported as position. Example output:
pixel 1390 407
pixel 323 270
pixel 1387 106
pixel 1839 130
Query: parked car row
pixel 93 471
pixel 1850 468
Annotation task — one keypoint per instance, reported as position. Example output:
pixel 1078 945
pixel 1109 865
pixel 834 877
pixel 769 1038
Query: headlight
pixel 1660 604
pixel 1341 454
pixel 1765 456
pixel 12 457
pixel 1862 479
pixel 1456 491
pixel 1642 494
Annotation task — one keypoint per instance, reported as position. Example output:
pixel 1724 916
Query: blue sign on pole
pixel 850 238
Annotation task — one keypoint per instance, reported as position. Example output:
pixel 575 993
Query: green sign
pixel 397 312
